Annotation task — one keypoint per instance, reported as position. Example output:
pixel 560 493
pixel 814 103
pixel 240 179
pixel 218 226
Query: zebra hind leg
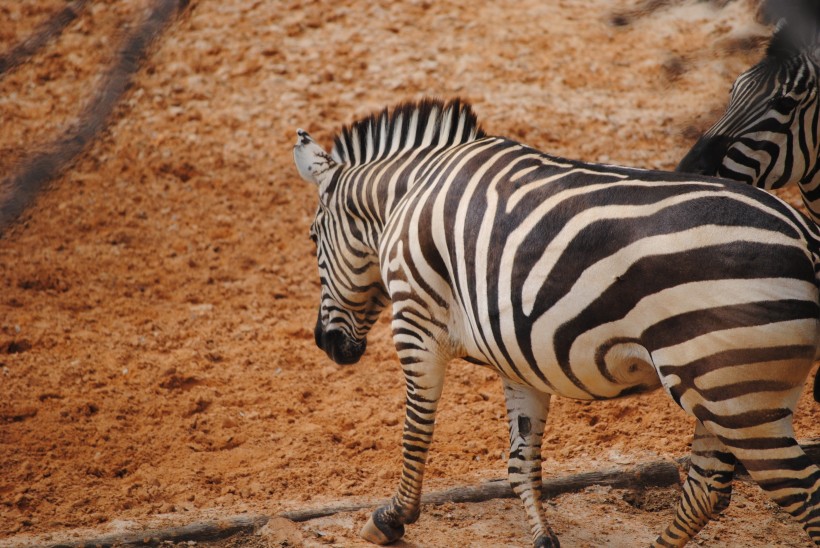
pixel 527 413
pixel 706 492
pixel 790 478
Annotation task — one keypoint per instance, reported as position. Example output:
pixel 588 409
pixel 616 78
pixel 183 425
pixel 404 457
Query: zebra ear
pixel 792 39
pixel 313 163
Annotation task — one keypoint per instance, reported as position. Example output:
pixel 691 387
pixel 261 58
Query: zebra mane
pixel 783 44
pixel 797 26
pixel 425 123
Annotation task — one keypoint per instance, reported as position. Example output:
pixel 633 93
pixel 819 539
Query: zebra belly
pixel 611 368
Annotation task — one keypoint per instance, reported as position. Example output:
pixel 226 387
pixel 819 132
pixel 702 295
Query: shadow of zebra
pixel 36 170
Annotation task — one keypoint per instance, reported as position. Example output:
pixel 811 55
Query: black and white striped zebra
pixel 769 135
pixel 572 279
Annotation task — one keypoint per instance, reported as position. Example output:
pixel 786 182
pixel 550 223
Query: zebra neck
pixel 376 190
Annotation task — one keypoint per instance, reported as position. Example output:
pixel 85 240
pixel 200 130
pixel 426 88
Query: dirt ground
pixel 157 363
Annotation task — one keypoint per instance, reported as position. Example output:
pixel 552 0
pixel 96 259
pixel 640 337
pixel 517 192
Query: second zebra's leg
pixel 707 490
pixel 425 381
pixel 527 412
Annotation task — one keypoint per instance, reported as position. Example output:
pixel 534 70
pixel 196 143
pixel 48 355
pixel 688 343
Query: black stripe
pixel 741 420
pixel 736 390
pixel 759 443
pixel 793 464
pixel 690 371
pixel 683 327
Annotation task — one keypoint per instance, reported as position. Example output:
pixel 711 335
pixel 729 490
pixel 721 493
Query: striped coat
pixel 569 279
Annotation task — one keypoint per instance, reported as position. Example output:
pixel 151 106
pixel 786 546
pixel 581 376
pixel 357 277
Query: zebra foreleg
pixel 425 381
pixel 527 413
pixel 706 492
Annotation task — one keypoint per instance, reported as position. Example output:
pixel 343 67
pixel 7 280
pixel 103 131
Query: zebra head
pixel 768 136
pixel 352 291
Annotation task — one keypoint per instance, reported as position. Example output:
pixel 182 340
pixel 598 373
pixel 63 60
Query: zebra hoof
pixel 547 541
pixel 378 531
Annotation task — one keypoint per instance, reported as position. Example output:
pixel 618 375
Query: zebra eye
pixel 783 103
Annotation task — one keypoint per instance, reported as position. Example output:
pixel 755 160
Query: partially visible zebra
pixel 769 135
pixel 579 280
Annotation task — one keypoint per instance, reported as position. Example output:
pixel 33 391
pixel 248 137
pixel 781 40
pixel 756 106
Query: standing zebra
pixel 769 135
pixel 580 280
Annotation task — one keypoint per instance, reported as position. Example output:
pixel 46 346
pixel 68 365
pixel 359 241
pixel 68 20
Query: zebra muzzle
pixel 339 347
pixel 706 157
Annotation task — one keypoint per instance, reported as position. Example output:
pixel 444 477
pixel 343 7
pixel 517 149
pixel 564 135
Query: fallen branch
pixel 199 532
pixel 661 473
pixel 654 474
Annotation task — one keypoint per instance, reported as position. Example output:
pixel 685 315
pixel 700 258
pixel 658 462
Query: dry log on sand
pixel 660 473
pixel 652 474
pixel 203 531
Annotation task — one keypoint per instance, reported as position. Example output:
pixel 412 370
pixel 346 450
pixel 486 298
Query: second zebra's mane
pixel 425 123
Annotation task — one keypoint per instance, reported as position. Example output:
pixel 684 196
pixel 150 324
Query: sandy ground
pixel 157 362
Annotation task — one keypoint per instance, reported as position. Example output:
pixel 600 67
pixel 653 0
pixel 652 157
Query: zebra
pixel 572 279
pixel 769 135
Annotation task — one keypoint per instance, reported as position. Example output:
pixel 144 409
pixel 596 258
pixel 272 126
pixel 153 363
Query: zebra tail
pixel 817 386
